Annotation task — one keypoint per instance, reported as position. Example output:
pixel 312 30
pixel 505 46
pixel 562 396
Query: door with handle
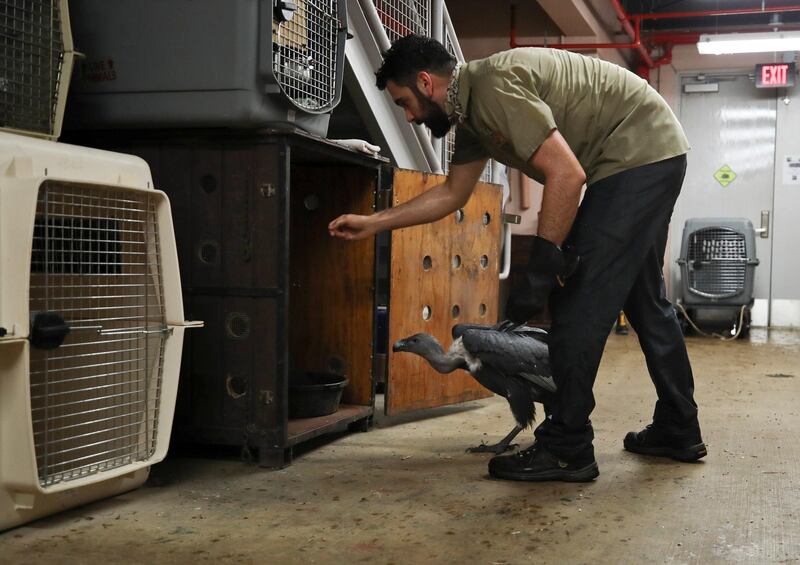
pixel 732 130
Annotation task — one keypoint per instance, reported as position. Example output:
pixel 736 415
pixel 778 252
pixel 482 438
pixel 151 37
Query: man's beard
pixel 435 118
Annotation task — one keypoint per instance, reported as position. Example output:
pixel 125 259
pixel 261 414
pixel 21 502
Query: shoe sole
pixel 583 475
pixel 685 455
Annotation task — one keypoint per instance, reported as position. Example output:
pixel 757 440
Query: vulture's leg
pixel 500 447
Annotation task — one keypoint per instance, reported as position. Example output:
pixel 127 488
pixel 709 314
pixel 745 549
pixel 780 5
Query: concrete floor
pixel 407 493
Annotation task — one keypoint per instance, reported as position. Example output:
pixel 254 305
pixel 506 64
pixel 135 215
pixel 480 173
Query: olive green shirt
pixel 612 119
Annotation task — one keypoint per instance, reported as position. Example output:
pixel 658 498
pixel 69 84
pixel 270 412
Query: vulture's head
pixel 422 344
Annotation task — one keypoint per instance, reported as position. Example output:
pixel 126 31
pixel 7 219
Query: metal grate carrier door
pixel 305 54
pixel 717 259
pixel 96 262
pixel 35 59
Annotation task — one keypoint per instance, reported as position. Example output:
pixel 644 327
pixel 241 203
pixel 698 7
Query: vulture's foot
pixel 500 447
pixel 496 448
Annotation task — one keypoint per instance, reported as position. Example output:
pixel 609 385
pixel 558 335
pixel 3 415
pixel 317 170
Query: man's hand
pixel 548 267
pixel 433 204
pixel 352 227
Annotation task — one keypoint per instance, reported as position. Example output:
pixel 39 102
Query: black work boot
pixel 653 441
pixel 537 464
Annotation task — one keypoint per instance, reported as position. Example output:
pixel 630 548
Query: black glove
pixel 547 267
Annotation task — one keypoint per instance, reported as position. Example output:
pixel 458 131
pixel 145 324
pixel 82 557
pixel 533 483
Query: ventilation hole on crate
pixel 336 365
pixel 459 216
pixel 455 311
pixel 427 263
pixel 237 325
pixel 482 310
pixel 208 252
pixel 311 202
pixel 456 261
pixel 236 386
pixel 487 217
pixel 208 183
pixel 484 261
pixel 426 312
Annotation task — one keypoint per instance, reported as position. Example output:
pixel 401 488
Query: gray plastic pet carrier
pixel 207 63
pixel 718 260
pixel 717 263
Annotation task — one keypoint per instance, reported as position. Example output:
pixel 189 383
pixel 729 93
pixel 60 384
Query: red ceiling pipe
pixel 644 71
pixel 623 18
pixel 674 38
pixel 632 30
pixel 689 37
pixel 666 39
pixel 711 13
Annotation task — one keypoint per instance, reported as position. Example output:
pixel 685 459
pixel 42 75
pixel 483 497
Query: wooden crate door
pixel 448 272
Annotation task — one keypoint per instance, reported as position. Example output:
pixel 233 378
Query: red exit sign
pixel 775 75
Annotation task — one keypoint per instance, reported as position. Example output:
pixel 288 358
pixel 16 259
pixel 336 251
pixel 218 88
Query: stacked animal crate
pixel 235 136
pixel 91 316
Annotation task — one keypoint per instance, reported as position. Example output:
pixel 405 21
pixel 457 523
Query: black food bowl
pixel 315 394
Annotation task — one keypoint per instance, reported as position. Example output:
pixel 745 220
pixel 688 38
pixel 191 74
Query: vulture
pixel 510 360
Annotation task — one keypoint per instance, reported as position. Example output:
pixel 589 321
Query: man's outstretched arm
pixel 431 205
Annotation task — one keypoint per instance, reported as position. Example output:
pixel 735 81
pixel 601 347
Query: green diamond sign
pixel 725 175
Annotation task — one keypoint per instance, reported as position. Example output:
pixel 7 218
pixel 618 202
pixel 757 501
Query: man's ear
pixel 425 83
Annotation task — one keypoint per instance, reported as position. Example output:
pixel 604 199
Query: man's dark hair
pixel 410 55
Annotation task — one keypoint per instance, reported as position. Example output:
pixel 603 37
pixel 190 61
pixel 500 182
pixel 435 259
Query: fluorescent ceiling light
pixel 725 43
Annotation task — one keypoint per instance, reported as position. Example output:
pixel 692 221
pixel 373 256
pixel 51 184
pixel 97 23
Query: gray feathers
pixel 513 364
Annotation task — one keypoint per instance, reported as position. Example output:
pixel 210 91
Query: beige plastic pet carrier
pixel 91 316
pixel 92 326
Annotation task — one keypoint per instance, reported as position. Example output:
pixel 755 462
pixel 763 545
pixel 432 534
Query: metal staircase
pixel 374 25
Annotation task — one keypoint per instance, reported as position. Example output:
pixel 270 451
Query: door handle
pixel 763 231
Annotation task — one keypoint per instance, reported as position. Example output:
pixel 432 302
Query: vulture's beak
pixel 399 345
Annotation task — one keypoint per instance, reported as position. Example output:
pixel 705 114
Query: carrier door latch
pixel 763 231
pixel 48 330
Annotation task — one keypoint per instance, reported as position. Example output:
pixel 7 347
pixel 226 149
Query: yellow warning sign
pixel 725 175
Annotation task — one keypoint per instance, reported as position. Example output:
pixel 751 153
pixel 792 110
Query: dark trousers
pixel 620 233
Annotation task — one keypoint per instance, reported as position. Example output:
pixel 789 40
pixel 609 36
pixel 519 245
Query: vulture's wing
pixel 528 331
pixel 511 354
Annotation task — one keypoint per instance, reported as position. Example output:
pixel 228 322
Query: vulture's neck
pixel 445 362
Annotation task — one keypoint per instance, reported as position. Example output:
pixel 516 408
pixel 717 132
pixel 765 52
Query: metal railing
pixel 450 41
pixel 404 17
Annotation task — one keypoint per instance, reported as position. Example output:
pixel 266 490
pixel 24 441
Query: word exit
pixel 776 75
